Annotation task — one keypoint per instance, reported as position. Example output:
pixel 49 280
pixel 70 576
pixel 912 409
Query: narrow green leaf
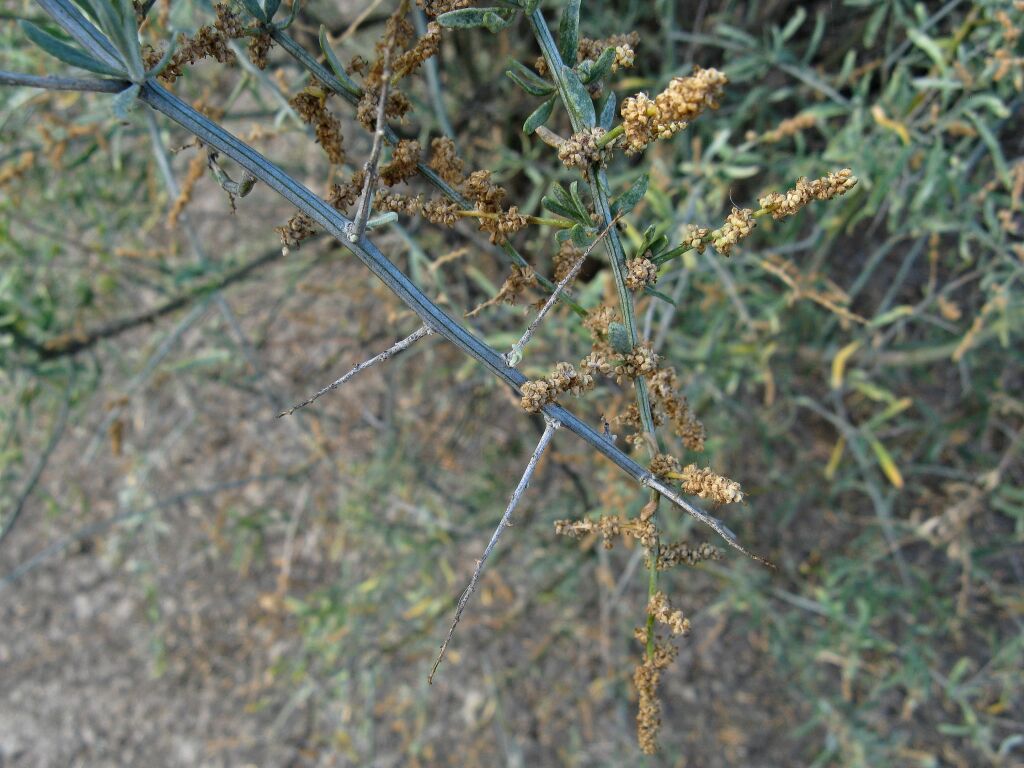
pixel 628 200
pixel 335 64
pixel 66 53
pixel 569 32
pixel 270 8
pixel 608 111
pixel 577 201
pixel 464 18
pixel 600 69
pixel 563 197
pixel 527 74
pixel 618 337
pixel 579 236
pixel 557 208
pixel 528 86
pixel 579 103
pixel 648 291
pixel 494 22
pixel 539 116
pixel 929 46
pixel 253 9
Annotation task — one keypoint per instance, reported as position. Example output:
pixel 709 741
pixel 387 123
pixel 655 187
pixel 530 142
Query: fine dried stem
pixel 514 355
pixel 550 425
pixel 370 169
pixel 400 346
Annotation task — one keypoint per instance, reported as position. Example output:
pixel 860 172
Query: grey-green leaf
pixel 270 8
pixel 608 111
pixel 530 87
pixel 600 69
pixel 569 32
pixel 335 64
pixel 253 9
pixel 539 116
pixel 628 200
pixel 579 103
pixel 464 18
pixel 66 53
pixel 495 22
pixel 618 337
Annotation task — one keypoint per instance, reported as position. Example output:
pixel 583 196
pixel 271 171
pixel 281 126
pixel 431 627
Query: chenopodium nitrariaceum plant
pixel 571 73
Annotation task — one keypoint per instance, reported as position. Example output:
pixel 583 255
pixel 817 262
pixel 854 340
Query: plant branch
pixel 93 84
pixel 550 425
pixel 370 169
pixel 390 352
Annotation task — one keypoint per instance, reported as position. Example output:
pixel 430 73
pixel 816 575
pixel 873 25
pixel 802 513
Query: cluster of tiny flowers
pixel 646 677
pixel 402 165
pixel 209 42
pixel 366 111
pixel 426 47
pixel 310 104
pixel 708 485
pixel 591 49
pixel 640 273
pixel 678 552
pixel 663 464
pixel 641 361
pixel 298 228
pixel 827 187
pixel 788 127
pixel 391 201
pixel 581 150
pixel 511 221
pixel 445 161
pixel 435 8
pixel 441 211
pixel 341 196
pixel 696 237
pixel 610 527
pixel 738 225
pixel 519 279
pixel 566 258
pixel 660 608
pixel 259 47
pixel 645 120
pixel 537 394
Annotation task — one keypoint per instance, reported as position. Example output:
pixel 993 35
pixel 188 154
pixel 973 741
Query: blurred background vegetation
pixel 189 580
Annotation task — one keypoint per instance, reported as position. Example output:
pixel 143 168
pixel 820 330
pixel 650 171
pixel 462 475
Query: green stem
pixel 598 181
pixel 611 136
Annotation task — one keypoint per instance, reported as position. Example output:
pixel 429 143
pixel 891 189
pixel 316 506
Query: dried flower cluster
pixel 519 279
pixel 696 237
pixel 565 259
pixel 680 552
pixel 738 225
pixel 311 105
pixel 663 464
pixel 645 120
pixel 665 390
pixel 609 526
pixel 641 272
pixel 441 211
pixel 659 607
pixel 434 8
pixel 827 187
pixel 402 165
pixel 591 49
pixel 709 485
pixel 646 677
pixel 209 42
pixel 582 151
pixel 445 161
pixel 788 127
pixel 427 46
pixel 538 393
pixel 259 46
pixel 390 201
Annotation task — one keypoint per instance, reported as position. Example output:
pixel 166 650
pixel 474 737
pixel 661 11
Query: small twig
pixel 387 353
pixel 44 460
pixel 514 355
pixel 370 169
pixel 550 425
pixel 704 517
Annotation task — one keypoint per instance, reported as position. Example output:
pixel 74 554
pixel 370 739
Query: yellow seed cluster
pixel 641 361
pixel 660 608
pixel 696 237
pixel 640 273
pixel 645 120
pixel 827 187
pixel 738 225
pixel 709 485
pixel 536 394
